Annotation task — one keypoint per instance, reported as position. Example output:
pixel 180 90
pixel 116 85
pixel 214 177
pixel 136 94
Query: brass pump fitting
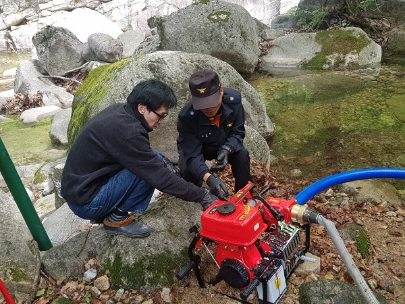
pixel 301 214
pixel 298 212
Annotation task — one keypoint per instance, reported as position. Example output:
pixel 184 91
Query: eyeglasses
pixel 161 116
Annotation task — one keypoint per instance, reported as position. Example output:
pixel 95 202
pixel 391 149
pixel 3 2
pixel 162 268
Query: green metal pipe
pixel 22 199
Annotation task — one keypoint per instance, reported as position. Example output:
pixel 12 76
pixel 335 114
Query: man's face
pixel 211 112
pixel 154 118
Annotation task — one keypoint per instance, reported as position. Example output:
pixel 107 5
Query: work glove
pixel 169 165
pixel 222 159
pixel 208 200
pixel 217 187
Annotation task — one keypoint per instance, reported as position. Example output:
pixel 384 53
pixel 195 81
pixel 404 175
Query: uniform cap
pixel 204 87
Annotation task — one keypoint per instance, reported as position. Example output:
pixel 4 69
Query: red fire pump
pixel 257 247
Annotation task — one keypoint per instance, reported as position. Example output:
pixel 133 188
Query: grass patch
pixel 25 145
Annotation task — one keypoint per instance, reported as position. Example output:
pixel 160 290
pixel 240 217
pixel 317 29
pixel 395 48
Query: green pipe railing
pixel 16 187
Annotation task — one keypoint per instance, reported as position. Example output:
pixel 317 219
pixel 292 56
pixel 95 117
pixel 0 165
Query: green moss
pixel 126 276
pixel 89 95
pixel 173 231
pixel 318 61
pixel 16 271
pixel 197 2
pixel 395 104
pixel 356 233
pixel 337 42
pixel 219 16
pixel 243 34
pixel 140 57
pixel 163 268
pixel 341 41
pixel 39 177
pixel 362 242
pixel 156 270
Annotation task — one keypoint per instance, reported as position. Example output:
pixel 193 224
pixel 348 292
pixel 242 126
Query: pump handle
pixel 186 270
pixel 249 289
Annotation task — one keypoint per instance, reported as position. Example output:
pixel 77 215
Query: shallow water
pixel 334 121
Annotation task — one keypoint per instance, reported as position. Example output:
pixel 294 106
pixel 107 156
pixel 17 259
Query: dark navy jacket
pixel 200 139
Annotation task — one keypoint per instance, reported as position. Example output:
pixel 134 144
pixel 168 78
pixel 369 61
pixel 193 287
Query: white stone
pixel 83 22
pixel 9 73
pixel 7 94
pixel 31 117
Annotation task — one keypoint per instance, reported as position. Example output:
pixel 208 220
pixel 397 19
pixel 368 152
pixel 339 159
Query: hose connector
pixel 312 216
pixel 303 215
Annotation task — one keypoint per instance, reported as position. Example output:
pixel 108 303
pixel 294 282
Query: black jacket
pixel 200 139
pixel 115 139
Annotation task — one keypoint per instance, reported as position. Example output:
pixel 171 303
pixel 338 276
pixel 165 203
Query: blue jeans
pixel 124 191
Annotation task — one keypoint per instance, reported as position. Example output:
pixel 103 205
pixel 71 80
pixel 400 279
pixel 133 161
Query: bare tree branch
pixel 62 78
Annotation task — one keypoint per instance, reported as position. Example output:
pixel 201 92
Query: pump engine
pixel 257 246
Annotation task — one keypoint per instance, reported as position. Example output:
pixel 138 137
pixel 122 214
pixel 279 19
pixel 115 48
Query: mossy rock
pixel 343 48
pixel 356 233
pixel 333 292
pixel 153 270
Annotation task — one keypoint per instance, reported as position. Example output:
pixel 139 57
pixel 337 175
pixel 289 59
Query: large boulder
pixel 105 47
pixel 58 50
pixel 395 47
pixel 130 41
pixel 257 146
pixel 19 254
pixel 342 48
pixel 29 80
pixel 217 28
pixel 112 83
pixel 133 263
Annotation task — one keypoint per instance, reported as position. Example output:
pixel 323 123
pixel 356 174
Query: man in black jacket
pixel 111 170
pixel 211 126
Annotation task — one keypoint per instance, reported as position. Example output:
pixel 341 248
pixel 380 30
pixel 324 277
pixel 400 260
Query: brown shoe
pixel 128 227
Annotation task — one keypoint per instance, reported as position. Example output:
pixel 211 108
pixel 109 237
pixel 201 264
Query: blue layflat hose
pixel 344 177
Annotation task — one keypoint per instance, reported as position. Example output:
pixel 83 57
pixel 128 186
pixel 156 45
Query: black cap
pixel 204 86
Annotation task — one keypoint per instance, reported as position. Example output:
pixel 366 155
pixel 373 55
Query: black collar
pixel 140 117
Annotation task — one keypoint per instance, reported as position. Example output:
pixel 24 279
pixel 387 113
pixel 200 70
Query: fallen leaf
pixel 395 233
pixel 43 300
pixel 380 209
pixel 85 227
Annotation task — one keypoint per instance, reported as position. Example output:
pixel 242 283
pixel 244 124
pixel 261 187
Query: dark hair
pixel 153 94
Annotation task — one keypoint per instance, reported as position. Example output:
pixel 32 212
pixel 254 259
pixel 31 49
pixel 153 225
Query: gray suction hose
pixel 347 259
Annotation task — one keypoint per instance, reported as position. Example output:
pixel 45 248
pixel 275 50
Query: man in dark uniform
pixel 111 170
pixel 211 126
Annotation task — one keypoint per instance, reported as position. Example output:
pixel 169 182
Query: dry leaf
pixel 395 233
